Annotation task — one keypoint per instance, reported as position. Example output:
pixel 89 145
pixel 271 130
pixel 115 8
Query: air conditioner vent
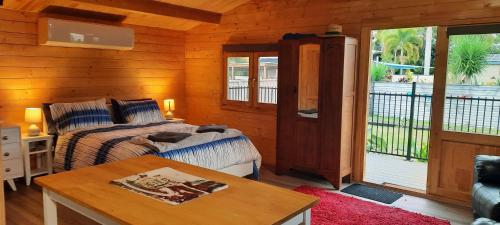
pixel 67 33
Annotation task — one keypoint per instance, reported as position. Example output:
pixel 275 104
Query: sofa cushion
pixel 488 171
pixel 486 201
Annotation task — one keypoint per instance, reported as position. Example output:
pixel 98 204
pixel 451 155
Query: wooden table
pixel 88 192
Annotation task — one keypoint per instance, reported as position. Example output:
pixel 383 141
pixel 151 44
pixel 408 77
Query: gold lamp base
pixel 169 115
pixel 33 130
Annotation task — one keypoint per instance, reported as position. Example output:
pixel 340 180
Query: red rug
pixel 337 209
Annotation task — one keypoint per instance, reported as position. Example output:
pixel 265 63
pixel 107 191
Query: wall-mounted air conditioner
pixel 67 33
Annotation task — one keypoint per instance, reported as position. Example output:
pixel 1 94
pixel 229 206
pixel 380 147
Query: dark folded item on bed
pixel 211 128
pixel 171 137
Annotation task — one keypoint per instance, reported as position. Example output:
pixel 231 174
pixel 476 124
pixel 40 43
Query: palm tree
pixel 401 45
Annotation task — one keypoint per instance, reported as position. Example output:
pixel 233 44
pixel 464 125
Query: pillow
pixel 140 112
pixel 117 115
pixel 72 116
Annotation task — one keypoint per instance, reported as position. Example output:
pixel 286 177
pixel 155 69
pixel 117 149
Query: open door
pixel 466 107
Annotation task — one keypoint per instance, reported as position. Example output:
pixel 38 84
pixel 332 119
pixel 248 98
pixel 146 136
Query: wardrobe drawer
pixel 10 135
pixel 11 151
pixel 13 168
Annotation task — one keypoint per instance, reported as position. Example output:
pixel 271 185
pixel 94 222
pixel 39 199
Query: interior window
pixel 250 77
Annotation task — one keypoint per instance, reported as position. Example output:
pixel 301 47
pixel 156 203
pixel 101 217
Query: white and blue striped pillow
pixel 140 112
pixel 72 116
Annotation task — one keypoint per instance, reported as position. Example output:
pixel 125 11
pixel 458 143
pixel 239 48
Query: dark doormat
pixel 375 194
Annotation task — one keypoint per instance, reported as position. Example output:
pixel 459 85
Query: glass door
pixel 466 113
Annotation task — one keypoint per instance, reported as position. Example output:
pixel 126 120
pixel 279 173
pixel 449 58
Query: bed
pixel 230 152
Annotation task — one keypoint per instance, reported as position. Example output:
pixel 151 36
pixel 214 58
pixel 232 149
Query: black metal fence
pixel 472 115
pixel 238 93
pixel 399 124
pixel 266 94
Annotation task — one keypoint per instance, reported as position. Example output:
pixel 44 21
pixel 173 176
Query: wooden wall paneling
pixel 32 74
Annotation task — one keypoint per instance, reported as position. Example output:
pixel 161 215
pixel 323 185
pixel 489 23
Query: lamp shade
pixel 169 104
pixel 33 115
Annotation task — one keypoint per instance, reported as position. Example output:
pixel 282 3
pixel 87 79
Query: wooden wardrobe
pixel 316 84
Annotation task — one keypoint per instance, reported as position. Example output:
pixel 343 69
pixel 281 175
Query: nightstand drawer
pixel 10 135
pixel 13 168
pixel 11 151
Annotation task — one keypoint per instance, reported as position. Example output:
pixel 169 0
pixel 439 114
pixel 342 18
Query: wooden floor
pixel 24 207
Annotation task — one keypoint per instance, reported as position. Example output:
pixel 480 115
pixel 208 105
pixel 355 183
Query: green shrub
pixel 378 143
pixel 378 71
pixel 468 56
pixel 423 152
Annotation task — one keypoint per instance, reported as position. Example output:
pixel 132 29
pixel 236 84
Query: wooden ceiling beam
pixel 159 8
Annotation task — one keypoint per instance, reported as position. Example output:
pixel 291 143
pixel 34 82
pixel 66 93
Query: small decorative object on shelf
pixel 39 150
pixel 33 116
pixel 169 105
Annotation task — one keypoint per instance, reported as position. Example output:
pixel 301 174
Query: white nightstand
pixel 10 139
pixel 39 147
pixel 176 120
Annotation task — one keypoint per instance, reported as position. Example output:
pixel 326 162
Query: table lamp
pixel 169 105
pixel 33 116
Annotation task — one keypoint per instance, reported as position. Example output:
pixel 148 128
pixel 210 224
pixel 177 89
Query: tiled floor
pixel 387 169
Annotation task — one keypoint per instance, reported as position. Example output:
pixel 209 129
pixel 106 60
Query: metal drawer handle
pixel 5 138
pixel 6 154
pixel 7 170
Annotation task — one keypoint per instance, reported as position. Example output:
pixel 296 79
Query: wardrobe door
pixel 287 105
pixel 308 145
pixel 331 107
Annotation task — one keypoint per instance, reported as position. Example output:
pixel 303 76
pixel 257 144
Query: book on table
pixel 169 185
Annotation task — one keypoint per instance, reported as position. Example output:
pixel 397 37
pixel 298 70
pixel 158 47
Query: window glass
pixel 238 72
pixel 268 79
pixel 472 102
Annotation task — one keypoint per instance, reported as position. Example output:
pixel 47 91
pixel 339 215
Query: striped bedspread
pixel 94 146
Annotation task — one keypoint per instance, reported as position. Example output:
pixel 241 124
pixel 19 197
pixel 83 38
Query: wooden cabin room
pixel 258 112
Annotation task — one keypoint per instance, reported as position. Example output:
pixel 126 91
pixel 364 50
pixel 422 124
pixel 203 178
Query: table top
pixel 243 202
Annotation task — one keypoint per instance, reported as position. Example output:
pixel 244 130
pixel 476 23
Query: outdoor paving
pixel 387 169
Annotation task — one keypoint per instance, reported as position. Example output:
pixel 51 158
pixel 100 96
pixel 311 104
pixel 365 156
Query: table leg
pixel 49 209
pixel 307 217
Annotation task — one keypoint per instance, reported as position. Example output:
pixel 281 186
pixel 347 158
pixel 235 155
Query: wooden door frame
pixel 362 86
pixel 438 94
